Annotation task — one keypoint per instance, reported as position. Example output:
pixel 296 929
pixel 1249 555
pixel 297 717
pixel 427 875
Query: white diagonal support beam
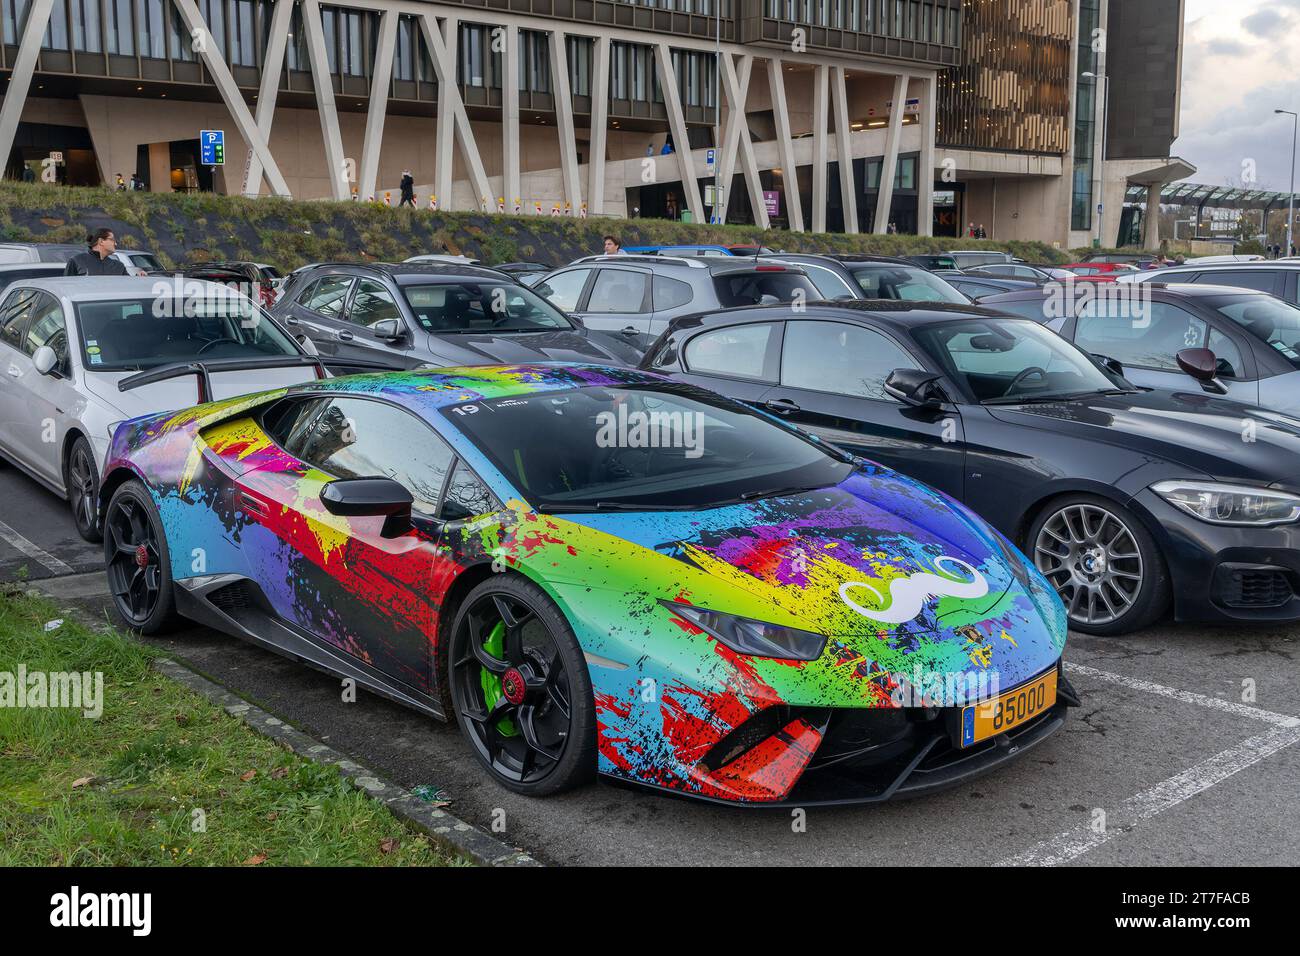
pixel 736 140
pixel 453 121
pixel 820 120
pixel 885 198
pixel 377 108
pixel 20 78
pixel 785 145
pixel 925 176
pixel 215 64
pixel 844 148
pixel 273 64
pixel 323 81
pixel 510 117
pixel 677 123
pixel 564 119
pixel 599 117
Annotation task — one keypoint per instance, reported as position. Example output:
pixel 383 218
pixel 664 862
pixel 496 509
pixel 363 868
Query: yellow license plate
pixel 1021 705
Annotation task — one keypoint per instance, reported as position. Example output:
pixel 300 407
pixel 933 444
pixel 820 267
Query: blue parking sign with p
pixel 212 147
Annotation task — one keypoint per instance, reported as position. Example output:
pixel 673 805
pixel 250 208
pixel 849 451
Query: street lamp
pixel 1101 160
pixel 1290 204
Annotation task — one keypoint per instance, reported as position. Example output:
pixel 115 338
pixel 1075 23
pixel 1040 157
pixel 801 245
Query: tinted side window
pixel 360 438
pixel 372 303
pixel 839 358
pixel 13 317
pixel 48 328
pixel 740 350
pixel 617 291
pixel 327 296
pixel 670 293
pixel 467 496
pixel 1262 280
pixel 1108 328
pixel 757 288
pixel 1035 309
pixel 564 289
pixel 1229 356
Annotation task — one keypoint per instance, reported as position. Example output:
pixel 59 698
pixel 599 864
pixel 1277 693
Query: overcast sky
pixel 1240 62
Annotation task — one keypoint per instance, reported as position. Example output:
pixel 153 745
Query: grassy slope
pixel 287 233
pixel 158 752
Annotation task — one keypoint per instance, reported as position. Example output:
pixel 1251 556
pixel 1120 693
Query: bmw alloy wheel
pixel 1092 559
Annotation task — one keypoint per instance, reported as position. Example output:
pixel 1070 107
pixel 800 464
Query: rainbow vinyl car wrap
pixel 924 608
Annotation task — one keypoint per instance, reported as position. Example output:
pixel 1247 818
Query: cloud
pixel 1266 24
pixel 1223 47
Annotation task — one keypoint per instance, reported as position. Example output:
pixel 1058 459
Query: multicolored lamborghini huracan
pixel 597 570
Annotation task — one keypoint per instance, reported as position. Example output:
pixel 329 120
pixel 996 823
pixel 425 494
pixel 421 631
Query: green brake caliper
pixel 491 683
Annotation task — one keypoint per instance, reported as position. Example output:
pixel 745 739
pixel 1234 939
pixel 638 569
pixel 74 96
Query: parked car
pixel 1254 338
pixel 1278 278
pixel 931 263
pixel 136 261
pixel 1031 273
pixel 693 250
pixel 1142 260
pixel 968 259
pixel 83 354
pixel 438 258
pixel 411 314
pixel 448 539
pixel 1222 260
pixel 1132 502
pixel 248 277
pixel 17 271
pixel 521 269
pixel 978 288
pixel 872 277
pixel 1101 271
pixel 635 296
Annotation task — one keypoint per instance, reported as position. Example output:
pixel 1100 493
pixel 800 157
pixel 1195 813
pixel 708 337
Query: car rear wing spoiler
pixel 204 370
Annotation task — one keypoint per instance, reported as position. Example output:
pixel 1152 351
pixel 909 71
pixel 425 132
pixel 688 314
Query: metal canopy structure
pixel 1213 197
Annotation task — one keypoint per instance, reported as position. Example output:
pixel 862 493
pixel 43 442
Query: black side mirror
pixel 1114 366
pixel 1202 365
pixel 916 388
pixel 370 497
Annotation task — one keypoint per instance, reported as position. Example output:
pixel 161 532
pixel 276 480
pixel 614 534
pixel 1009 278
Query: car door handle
pixel 630 330
pixel 782 406
pixel 15 371
pixel 292 321
pixel 253 505
pixel 344 336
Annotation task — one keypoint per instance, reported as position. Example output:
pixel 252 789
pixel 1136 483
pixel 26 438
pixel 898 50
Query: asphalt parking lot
pixel 1184 753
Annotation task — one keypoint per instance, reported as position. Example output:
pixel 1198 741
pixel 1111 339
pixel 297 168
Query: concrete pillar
pixel 821 76
pixel 785 145
pixel 20 77
pixel 677 123
pixel 160 167
pixel 276 40
pixel 885 196
pixel 1152 225
pixel 377 108
pixel 599 121
pixel 510 117
pixel 925 172
pixel 843 148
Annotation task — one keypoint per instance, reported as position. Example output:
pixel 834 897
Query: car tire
pixel 1102 562
pixel 81 478
pixel 513 716
pixel 138 562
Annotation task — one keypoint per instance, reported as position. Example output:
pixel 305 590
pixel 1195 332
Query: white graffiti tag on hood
pixel 908 595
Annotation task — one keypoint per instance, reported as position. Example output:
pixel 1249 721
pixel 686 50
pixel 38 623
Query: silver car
pixel 80 355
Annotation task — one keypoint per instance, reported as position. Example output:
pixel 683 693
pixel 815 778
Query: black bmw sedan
pixel 1133 503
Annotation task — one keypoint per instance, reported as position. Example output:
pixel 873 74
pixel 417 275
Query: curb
pixel 442 827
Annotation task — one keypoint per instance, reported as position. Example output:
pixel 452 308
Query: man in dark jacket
pixel 99 260
pixel 408 189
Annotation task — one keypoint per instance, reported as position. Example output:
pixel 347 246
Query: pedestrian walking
pixel 408 189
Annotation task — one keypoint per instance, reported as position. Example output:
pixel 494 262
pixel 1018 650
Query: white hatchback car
pixel 80 355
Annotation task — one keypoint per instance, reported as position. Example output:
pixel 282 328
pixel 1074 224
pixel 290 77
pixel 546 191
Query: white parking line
pixel 1165 795
pixel 33 551
pixel 1073 843
pixel 1186 697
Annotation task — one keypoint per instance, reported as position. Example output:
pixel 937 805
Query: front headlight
pixel 755 638
pixel 1230 504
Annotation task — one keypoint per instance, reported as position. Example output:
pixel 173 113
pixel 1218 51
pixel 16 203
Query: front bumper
pixel 1222 573
pixel 873 755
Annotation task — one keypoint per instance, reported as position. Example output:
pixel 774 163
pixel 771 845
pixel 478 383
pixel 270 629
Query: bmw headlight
pixel 1230 504
pixel 755 638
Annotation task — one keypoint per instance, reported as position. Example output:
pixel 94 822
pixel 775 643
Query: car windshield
pixel 1006 361
pixel 140 334
pixel 143 260
pixel 1270 320
pixel 905 283
pixel 488 306
pixel 765 286
pixel 668 446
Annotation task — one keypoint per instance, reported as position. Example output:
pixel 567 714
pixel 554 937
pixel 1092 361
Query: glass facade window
pixel 214 14
pixel 470 68
pixel 150 25
pixel 85 26
pixel 119 30
pixel 580 51
pixel 243 52
pixel 1087 89
pixel 56 34
pixel 534 61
